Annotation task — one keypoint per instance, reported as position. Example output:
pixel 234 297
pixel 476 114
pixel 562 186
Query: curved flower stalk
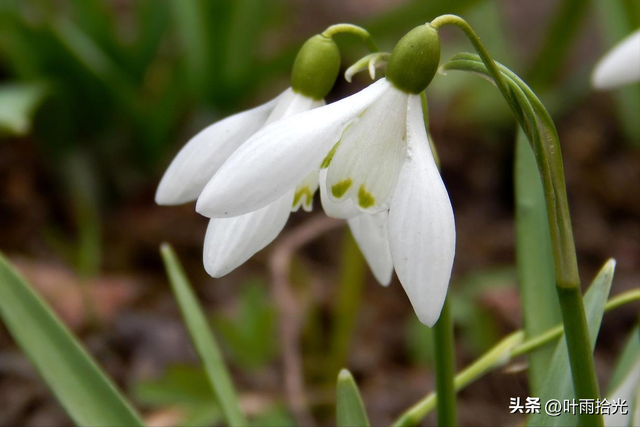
pixel 229 242
pixel 620 66
pixel 377 170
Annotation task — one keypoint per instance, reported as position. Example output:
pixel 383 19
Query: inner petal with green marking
pixel 303 195
pixel 365 165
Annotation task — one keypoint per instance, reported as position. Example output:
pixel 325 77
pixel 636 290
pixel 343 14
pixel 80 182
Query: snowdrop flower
pixel 376 166
pixel 620 66
pixel 229 242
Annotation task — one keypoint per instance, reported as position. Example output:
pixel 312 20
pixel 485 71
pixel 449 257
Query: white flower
pixel 620 66
pixel 628 391
pixel 230 242
pixel 374 150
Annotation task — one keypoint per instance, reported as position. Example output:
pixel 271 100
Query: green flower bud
pixel 415 59
pixel 316 67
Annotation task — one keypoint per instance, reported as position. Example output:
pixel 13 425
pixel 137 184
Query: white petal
pixel 232 241
pixel 278 157
pixel 421 226
pixel 620 66
pixel 304 193
pixel 201 157
pixel 370 232
pixel 341 210
pixel 371 153
pixel 627 391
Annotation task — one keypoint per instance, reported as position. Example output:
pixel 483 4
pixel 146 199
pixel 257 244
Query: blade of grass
pixel 203 339
pixel 536 279
pixel 89 397
pixel 350 410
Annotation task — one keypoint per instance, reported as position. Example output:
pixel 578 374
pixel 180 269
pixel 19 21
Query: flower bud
pixel 316 67
pixel 415 59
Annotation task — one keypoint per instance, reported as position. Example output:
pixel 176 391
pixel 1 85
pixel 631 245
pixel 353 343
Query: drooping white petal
pixel 304 193
pixel 421 226
pixel 370 232
pixel 371 153
pixel 230 242
pixel 620 66
pixel 278 157
pixel 627 391
pixel 201 157
pixel 341 210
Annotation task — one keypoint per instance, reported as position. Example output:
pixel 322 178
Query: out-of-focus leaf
pixel 536 278
pixel 350 410
pixel 630 355
pixel 186 389
pixel 558 383
pixel 192 23
pixel 88 396
pixel 18 103
pixel 250 336
pixel 276 416
pixel 203 339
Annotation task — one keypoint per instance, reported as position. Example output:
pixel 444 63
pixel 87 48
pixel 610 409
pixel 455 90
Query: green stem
pixel 445 367
pixel 549 160
pixel 510 347
pixel 352 29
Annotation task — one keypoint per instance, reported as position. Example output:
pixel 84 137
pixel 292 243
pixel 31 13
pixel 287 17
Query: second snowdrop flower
pixel 374 150
pixel 620 66
pixel 229 242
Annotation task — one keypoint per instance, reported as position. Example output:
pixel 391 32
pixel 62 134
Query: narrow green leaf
pixel 88 396
pixel 203 339
pixel 350 410
pixel 630 355
pixel 18 102
pixel 536 279
pixel 558 382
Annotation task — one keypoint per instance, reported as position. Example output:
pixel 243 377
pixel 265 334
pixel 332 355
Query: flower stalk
pixel 352 29
pixel 549 159
pixel 445 367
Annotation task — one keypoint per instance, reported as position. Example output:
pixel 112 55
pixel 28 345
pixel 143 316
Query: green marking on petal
pixel 304 191
pixel 327 160
pixel 365 199
pixel 340 188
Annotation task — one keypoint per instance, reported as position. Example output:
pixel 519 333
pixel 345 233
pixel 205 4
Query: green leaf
pixel 536 279
pixel 18 102
pixel 203 339
pixel 350 410
pixel 630 355
pixel 88 396
pixel 558 382
pixel 184 388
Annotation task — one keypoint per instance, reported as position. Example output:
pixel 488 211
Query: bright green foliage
pixel 88 396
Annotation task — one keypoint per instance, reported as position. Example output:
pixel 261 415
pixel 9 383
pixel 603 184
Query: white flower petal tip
pixel 274 160
pixel 230 242
pixel 421 224
pixel 203 155
pixel 342 210
pixel 303 195
pixel 620 66
pixel 370 233
pixel 370 155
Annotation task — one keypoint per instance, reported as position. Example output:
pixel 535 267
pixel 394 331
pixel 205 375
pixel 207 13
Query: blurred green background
pixel 97 96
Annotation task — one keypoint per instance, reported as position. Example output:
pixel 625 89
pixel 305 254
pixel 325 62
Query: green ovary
pixel 303 192
pixel 341 187
pixel 365 199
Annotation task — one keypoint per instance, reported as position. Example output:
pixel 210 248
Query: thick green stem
pixel 445 367
pixel 549 159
